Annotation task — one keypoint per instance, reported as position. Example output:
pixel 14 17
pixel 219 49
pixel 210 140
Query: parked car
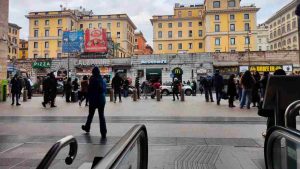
pixel 166 89
pixel 60 87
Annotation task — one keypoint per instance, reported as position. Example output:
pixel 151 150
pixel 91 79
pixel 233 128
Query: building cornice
pixel 232 10
pixel 282 11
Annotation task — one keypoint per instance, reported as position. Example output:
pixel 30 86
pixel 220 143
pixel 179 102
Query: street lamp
pixel 298 14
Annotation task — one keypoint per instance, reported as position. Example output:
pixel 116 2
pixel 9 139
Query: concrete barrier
pixel 158 94
pixel 111 95
pixel 25 95
pixel 182 95
pixel 134 95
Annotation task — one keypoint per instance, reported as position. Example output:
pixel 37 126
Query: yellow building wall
pixel 11 54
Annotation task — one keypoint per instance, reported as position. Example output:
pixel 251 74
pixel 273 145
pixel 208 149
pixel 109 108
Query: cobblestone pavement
pixel 190 134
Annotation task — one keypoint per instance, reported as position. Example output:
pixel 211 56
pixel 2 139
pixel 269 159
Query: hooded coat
pixel 96 89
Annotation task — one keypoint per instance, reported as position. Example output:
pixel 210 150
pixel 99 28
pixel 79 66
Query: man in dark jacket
pixel 68 89
pixel 218 83
pixel 116 84
pixel 46 90
pixel 53 89
pixel 15 90
pixel 96 93
pixel 207 85
pixel 175 88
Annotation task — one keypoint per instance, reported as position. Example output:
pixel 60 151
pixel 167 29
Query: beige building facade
pixel 3 38
pixel 283 31
pixel 263 38
pixel 13 41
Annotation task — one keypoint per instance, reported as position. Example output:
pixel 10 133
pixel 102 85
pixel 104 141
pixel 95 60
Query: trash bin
pixel 25 95
pixel 3 90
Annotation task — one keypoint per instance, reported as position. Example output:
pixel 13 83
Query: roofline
pixel 14 25
pixel 282 10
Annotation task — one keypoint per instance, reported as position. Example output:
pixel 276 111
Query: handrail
pixel 52 153
pixel 272 135
pixel 291 113
pixel 118 152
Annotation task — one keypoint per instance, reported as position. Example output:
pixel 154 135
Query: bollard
pixel 158 94
pixel 134 95
pixel 111 95
pixel 25 93
pixel 182 95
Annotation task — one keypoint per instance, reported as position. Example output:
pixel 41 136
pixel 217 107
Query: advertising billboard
pixel 72 42
pixel 95 41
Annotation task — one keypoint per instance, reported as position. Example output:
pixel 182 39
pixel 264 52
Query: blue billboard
pixel 73 42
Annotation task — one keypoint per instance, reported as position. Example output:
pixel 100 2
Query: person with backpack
pixel 96 94
pixel 248 83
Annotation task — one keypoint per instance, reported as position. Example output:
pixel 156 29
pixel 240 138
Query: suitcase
pixel 74 97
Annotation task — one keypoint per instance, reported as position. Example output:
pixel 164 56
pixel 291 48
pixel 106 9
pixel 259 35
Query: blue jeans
pixel 246 95
pixel 218 94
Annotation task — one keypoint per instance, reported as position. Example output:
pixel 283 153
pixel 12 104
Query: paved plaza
pixel 182 135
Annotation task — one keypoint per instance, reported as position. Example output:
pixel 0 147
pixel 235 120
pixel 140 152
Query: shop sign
pixel 228 70
pixel 39 65
pixel 287 68
pixel 177 71
pixel 92 62
pixel 148 62
pixel 201 71
pixel 265 68
pixel 72 42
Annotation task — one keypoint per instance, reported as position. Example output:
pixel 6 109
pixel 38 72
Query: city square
pixel 210 84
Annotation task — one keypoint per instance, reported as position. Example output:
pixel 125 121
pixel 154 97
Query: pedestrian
pixel 194 88
pixel 68 89
pixel 188 83
pixel 15 90
pixel 145 88
pixel 137 86
pixel 206 82
pixel 96 94
pixel 53 89
pixel 175 88
pixel 231 90
pixel 247 83
pixel 84 91
pixel 116 84
pixel 218 83
pixel 255 90
pixel 46 90
pixel 239 86
pixel 28 85
pixel 263 83
pixel 156 85
pixel 126 88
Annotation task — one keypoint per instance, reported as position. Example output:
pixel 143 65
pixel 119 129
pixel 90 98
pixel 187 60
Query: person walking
pixel 231 90
pixel 84 91
pixel 126 88
pixel 194 88
pixel 53 89
pixel 239 86
pixel 247 83
pixel 137 86
pixel 68 89
pixel 206 82
pixel 46 90
pixel 175 88
pixel 218 83
pixel 255 90
pixel 117 82
pixel 96 94
pixel 145 88
pixel 15 90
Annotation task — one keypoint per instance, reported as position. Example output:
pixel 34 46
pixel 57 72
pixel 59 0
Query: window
pixel 217 17
pixel 217 28
pixel 294 39
pixel 247 40
pixel 288 27
pixel 217 41
pixel 59 32
pixel 190 24
pixel 179 34
pixel 259 40
pixel 179 24
pixel 108 34
pixel 46 55
pixel 232 17
pixel 99 25
pixel 47 33
pixel 160 34
pixel 170 34
pixel 46 45
pixel 59 44
pixel 232 27
pixel 231 3
pixel 170 25
pixel 247 27
pixel 179 14
pixel 216 4
pixel 283 19
pixel 90 25
pixel 190 46
pixel 118 24
pixel 200 45
pixel 232 41
pixel 170 46
pixel 200 33
pixel 159 46
pixel 35 55
pixel 58 55
pixel 199 23
pixel 118 35
pixel 35 45
pixel 36 33
pixel 159 25
pixel 246 16
pixel 232 51
pixel 190 33
pixel 288 16
pixel 46 22
pixel 108 26
pixel 179 45
pixel 294 25
pixel 189 13
pixel 36 22
pixel 59 21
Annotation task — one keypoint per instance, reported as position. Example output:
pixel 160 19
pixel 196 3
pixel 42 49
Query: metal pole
pixel 68 64
pixel 298 14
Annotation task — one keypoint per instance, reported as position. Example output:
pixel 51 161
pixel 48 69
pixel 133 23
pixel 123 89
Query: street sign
pixel 72 42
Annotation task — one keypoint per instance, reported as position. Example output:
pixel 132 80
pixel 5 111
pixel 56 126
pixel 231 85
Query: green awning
pixel 153 72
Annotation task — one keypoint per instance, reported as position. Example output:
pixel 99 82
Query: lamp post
pixel 298 14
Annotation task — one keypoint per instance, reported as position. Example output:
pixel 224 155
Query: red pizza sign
pixel 95 41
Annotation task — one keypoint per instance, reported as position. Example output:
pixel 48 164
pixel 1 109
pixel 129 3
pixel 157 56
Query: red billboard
pixel 95 41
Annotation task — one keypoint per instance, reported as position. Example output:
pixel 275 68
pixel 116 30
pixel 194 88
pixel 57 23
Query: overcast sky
pixel 140 11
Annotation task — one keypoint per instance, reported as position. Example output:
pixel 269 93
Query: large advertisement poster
pixel 72 42
pixel 95 41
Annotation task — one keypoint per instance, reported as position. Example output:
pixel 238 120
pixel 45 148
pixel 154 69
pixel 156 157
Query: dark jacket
pixel 117 82
pixel 231 89
pixel 248 82
pixel 84 86
pixel 175 86
pixel 53 86
pixel 75 85
pixel 218 81
pixel 206 82
pixel 15 85
pixel 96 89
pixel 67 87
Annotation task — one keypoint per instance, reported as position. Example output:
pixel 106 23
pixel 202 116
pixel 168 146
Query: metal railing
pixel 135 139
pixel 291 113
pixel 55 149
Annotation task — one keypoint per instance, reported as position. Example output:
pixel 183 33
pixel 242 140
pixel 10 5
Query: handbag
pixel 224 95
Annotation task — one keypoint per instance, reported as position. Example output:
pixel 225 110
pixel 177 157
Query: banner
pixel 72 42
pixel 95 41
